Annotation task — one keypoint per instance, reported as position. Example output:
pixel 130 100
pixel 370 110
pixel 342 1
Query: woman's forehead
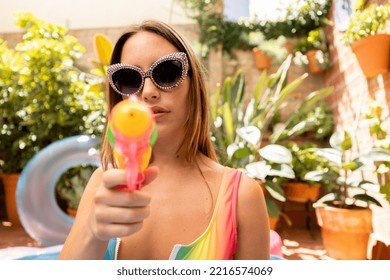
pixel 144 48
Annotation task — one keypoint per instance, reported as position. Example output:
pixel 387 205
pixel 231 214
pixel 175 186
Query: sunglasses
pixel 166 73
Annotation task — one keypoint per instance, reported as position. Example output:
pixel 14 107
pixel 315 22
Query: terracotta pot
pixel 71 212
pixel 262 60
pixel 289 46
pixel 272 222
pixel 345 232
pixel 301 192
pixel 378 248
pixel 373 54
pixel 10 182
pixel 314 67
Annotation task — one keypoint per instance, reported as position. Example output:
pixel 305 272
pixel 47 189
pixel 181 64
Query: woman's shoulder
pixel 250 192
pixel 217 169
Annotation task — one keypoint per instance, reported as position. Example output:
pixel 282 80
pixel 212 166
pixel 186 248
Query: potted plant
pixel 305 160
pixel 312 50
pixel 344 214
pixel 70 186
pixel 317 123
pixel 241 121
pixel 367 36
pixel 44 98
pixel 267 52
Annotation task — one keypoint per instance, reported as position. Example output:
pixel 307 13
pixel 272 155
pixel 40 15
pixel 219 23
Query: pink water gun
pixel 132 132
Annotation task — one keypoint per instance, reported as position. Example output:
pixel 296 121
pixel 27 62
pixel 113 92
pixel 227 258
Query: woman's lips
pixel 158 112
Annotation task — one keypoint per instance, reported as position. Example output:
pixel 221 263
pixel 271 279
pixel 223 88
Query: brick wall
pixel 353 93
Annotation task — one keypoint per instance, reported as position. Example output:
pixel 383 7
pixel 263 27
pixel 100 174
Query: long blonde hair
pixel 197 128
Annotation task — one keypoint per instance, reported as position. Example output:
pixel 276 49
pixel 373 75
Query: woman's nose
pixel 149 91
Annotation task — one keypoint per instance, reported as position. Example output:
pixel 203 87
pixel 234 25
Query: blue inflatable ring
pixel 36 204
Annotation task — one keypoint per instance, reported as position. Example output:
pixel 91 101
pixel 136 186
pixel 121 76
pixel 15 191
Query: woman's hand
pixel 118 212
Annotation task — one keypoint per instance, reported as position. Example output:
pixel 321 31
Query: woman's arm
pixel 252 222
pixel 81 242
pixel 106 212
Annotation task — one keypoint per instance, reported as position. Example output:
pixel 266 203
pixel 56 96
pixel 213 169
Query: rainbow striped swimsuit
pixel 219 240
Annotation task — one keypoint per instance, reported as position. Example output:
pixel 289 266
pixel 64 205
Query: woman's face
pixel 170 107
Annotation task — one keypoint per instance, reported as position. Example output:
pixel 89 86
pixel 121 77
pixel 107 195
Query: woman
pixel 187 197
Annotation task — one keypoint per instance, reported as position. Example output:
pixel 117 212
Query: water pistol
pixel 132 132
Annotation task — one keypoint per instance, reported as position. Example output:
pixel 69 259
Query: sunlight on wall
pixel 261 9
pixel 80 14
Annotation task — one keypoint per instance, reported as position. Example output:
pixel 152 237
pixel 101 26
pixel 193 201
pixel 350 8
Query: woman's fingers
pixel 115 177
pixel 150 174
pixel 105 232
pixel 121 198
pixel 119 212
pixel 120 215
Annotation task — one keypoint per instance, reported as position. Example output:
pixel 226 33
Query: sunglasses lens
pixel 127 81
pixel 168 73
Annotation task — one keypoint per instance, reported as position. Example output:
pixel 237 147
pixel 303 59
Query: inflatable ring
pixel 39 213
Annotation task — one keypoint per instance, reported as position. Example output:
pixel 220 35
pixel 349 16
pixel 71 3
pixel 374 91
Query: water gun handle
pixel 134 175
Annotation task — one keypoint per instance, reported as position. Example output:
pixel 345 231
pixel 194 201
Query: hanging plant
pixel 369 39
pixel 312 50
pixel 300 17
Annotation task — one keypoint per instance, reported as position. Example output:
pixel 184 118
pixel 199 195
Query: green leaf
pixel 347 142
pixel 250 134
pixel 258 169
pixel 375 155
pixel 333 155
pixel 214 104
pixel 272 207
pixel 386 191
pixel 259 88
pixel 289 88
pixel 336 139
pixel 276 153
pixel 228 122
pixel 318 176
pixel 226 90
pixel 237 90
pixel 281 170
pixel 326 199
pixel 241 153
pixel 249 112
pixel 275 190
pixel 349 165
pixel 231 149
pixel 103 48
pixel 313 98
pixel 367 198
pixel 308 103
